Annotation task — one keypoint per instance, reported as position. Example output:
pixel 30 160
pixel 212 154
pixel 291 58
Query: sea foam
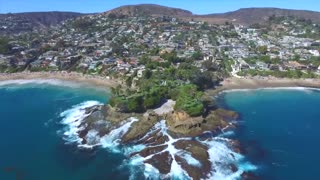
pixel 73 118
pixel 220 151
pixel 55 82
pixel 273 88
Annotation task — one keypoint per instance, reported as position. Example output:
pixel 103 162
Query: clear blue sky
pixel 196 6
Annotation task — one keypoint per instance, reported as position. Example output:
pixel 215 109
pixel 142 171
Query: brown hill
pixel 241 16
pixel 258 15
pixel 149 10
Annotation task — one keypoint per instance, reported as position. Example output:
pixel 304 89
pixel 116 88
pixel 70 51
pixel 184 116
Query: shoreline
pixel 234 83
pixel 73 77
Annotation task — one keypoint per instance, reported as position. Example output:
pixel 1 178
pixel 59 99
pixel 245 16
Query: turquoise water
pixel 31 142
pixel 279 130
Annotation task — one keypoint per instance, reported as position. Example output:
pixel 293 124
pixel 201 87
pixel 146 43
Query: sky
pixel 195 6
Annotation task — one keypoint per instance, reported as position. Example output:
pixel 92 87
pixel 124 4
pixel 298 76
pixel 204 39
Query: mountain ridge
pixel 28 21
pixel 241 16
pixel 256 15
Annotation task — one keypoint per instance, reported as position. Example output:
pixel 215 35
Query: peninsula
pixel 164 66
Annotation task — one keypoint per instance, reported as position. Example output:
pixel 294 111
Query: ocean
pixel 32 136
pixel 279 130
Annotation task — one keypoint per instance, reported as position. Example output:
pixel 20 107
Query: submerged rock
pixel 162 162
pixel 200 153
pixel 249 176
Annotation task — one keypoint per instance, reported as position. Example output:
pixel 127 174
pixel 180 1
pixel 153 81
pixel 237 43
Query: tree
pixel 197 55
pixel 135 104
pixel 4 45
pixel 151 101
pixel 211 66
pixel 189 101
pixel 263 49
pixel 147 74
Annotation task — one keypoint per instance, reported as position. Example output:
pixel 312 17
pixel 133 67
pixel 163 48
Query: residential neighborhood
pixel 101 44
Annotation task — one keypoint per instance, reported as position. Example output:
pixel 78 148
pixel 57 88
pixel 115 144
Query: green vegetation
pixel 4 45
pixel 173 78
pixel 189 100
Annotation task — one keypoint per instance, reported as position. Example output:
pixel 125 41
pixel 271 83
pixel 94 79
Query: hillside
pixel 149 10
pixel 258 15
pixel 26 22
pixel 241 16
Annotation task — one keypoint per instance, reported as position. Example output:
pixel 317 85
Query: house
pixel 157 59
pixel 274 67
pixel 314 52
pixel 261 65
pixel 140 73
pixel 244 66
pixel 36 64
pixel 295 65
pixel 109 61
pixel 21 63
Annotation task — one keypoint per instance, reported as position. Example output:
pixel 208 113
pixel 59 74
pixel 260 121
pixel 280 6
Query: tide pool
pixel 279 130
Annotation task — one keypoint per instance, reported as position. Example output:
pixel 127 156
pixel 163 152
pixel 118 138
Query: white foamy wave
pixel 112 139
pixel 221 157
pixel 150 172
pixel 306 89
pixel 190 160
pixel 73 118
pixel 54 82
pixel 220 154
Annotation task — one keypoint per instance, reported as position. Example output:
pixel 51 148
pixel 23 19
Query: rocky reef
pixel 172 143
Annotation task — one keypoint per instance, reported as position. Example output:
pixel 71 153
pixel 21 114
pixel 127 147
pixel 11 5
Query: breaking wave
pixel 54 82
pixel 219 148
pixel 72 120
pixel 306 89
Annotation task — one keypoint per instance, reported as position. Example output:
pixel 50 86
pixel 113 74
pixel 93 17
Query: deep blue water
pixel 279 130
pixel 31 145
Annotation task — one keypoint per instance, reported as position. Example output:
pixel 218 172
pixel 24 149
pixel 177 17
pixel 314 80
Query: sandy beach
pixel 270 82
pixel 64 76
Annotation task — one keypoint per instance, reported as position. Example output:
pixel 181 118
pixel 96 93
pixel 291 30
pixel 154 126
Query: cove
pixel 279 130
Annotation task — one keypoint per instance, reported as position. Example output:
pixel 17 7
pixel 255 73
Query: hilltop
pixel 149 10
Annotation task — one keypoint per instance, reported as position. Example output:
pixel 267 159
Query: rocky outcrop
pixel 162 162
pixel 114 116
pixel 141 127
pixel 94 125
pixel 197 151
pixel 180 122
pixel 166 139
